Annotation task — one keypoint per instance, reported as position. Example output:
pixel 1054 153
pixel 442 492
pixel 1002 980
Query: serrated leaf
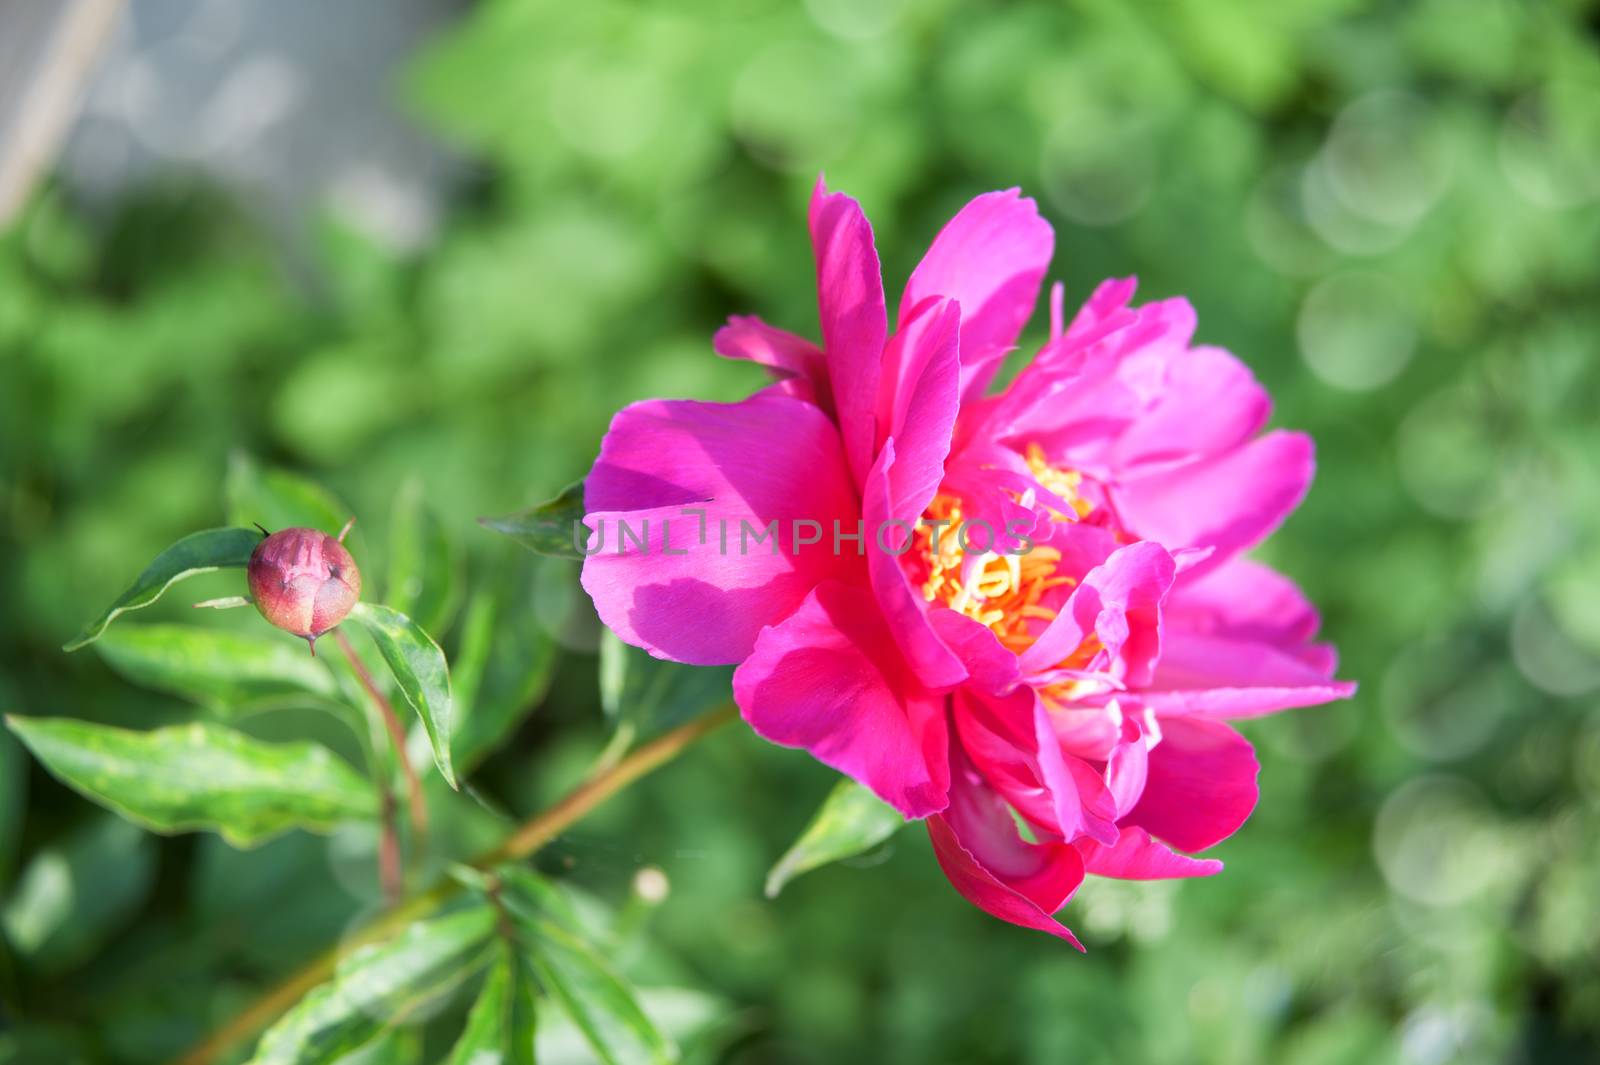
pixel 597 1000
pixel 77 891
pixel 196 553
pixel 850 820
pixel 379 987
pixel 551 528
pixel 420 670
pixel 424 579
pixel 647 695
pixel 200 776
pixel 233 672
pixel 500 1029
pixel 278 499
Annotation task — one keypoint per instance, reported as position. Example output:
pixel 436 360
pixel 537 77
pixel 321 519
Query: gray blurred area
pixel 291 106
pixel 47 53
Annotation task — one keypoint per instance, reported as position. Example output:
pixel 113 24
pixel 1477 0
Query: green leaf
pixel 379 987
pixel 200 776
pixel 397 1046
pixel 196 553
pixel 76 892
pixel 690 1018
pixel 419 668
pixel 500 1028
pixel 278 499
pixel 529 895
pixel 548 528
pixel 601 1004
pixel 642 695
pixel 851 820
pixel 598 1001
pixel 424 568
pixel 232 672
pixel 503 666
pixel 13 800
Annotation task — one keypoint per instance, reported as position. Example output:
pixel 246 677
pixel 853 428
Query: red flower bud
pixel 304 582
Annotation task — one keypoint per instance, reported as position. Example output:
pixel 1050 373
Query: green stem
pixel 528 838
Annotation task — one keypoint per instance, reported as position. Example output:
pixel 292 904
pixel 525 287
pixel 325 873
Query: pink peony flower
pixel 1071 655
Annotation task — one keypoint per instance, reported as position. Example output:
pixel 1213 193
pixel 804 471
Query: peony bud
pixel 304 582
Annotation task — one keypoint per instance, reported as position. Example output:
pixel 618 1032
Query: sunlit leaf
pixel 420 670
pixel 397 1046
pixel 645 695
pixel 196 553
pixel 500 1029
pixel 686 1015
pixel 851 820
pixel 74 893
pixel 379 987
pixel 200 776
pixel 424 568
pixel 551 528
pixel 233 672
pixel 597 1000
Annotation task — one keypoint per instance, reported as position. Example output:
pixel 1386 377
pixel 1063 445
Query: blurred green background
pixel 1390 211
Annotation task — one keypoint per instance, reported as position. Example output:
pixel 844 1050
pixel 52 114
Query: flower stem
pixel 397 735
pixel 391 869
pixel 533 834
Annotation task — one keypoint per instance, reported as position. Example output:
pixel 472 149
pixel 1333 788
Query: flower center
pixel 1002 591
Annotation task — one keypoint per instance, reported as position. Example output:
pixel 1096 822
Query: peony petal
pixel 1230 502
pixel 991 258
pixel 788 356
pixel 698 590
pixel 854 319
pixel 903 607
pixel 1244 599
pixel 1119 601
pixel 996 735
pixel 1200 786
pixel 920 394
pixel 829 680
pixel 991 667
pixel 1135 856
pixel 1208 402
pixel 1238 703
pixel 992 866
pixel 1083 805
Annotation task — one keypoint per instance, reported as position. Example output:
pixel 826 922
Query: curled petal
pixel 1200 785
pixel 828 679
pixel 854 320
pixel 787 356
pixel 993 867
pixel 688 479
pixel 1135 856
pixel 991 258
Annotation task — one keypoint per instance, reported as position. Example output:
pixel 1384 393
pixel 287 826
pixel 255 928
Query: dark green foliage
pixel 1413 273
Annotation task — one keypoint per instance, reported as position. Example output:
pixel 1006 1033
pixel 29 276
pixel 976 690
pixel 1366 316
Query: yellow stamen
pixel 1002 591
pixel 1064 483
